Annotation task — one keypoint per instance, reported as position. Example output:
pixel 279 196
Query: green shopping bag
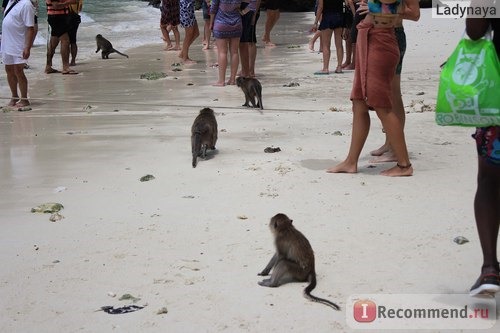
pixel 469 86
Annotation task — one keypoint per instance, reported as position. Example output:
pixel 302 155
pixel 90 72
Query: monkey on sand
pixel 203 134
pixel 252 89
pixel 106 47
pixel 293 260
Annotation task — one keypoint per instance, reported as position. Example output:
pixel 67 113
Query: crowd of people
pixel 373 27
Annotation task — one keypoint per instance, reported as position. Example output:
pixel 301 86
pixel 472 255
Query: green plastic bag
pixel 469 86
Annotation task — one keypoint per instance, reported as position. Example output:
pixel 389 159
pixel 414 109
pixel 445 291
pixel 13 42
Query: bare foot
pixel 311 47
pixel 218 84
pixel 50 70
pixel 269 44
pixel 344 167
pixel 206 47
pixel 231 83
pixel 22 103
pixel 349 67
pixel 398 171
pixel 168 47
pixel 380 151
pixel 387 157
pixel 188 61
pixel 73 63
pixel 13 101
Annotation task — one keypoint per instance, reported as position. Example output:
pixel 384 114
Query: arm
pixel 30 36
pixel 476 27
pixel 410 10
pixel 319 13
pixel 350 3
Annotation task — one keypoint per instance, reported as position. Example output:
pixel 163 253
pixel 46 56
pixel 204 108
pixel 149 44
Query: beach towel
pixel 377 55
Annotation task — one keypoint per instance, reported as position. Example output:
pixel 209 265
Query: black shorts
pixel 59 24
pixel 331 21
pixel 205 10
pixel 273 4
pixel 354 30
pixel 75 21
pixel 248 35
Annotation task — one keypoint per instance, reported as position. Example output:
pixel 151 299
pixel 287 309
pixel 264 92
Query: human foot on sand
pixel 344 167
pixel 50 70
pixel 387 157
pixel 380 151
pixel 218 84
pixel 22 103
pixel 188 61
pixel 69 72
pixel 13 101
pixel 398 171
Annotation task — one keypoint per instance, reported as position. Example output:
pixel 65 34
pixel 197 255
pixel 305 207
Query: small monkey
pixel 293 260
pixel 106 47
pixel 203 134
pixel 252 89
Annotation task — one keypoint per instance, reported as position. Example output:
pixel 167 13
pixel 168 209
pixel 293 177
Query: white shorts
pixel 9 59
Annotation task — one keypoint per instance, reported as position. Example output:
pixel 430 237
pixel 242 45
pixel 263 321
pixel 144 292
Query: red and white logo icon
pixel 365 311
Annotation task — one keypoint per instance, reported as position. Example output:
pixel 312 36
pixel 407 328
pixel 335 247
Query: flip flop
pixel 70 73
pixel 321 73
pixel 24 108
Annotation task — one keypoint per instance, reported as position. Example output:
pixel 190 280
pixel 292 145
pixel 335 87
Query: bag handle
pixel 8 10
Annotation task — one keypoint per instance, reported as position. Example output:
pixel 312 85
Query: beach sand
pixel 193 239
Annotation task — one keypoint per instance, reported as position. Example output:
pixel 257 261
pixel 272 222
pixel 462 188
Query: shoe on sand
pixel 487 284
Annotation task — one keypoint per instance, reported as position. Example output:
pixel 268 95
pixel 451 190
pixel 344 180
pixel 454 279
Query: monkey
pixel 203 134
pixel 251 88
pixel 106 47
pixel 293 260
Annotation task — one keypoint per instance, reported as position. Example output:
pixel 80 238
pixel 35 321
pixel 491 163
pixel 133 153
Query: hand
pixel 314 28
pixel 363 8
pixel 26 52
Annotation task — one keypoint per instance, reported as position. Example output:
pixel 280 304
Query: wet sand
pixel 193 240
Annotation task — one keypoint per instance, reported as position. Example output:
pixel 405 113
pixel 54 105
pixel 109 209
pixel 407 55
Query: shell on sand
pixel 49 207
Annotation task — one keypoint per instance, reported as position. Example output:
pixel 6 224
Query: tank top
pixel 52 11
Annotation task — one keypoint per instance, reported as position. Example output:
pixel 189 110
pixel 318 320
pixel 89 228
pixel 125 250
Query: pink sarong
pixel 377 55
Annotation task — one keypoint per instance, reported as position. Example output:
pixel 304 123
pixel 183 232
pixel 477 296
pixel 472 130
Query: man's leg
pixel 51 50
pixel 12 81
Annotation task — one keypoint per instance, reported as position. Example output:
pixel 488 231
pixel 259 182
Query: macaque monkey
pixel 293 260
pixel 106 47
pixel 203 134
pixel 252 89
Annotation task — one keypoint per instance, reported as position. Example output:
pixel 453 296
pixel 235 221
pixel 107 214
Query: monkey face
pixel 279 222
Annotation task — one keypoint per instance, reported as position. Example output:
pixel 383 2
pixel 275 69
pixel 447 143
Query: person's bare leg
pixel 272 17
pixel 191 34
pixel 337 34
pixel 394 131
pixel 51 50
pixel 252 54
pixel 313 40
pixel 177 38
pixel 234 44
pixel 165 32
pixel 348 48
pixel 385 153
pixel 487 213
pixel 206 35
pixel 74 52
pixel 22 82
pixel 245 59
pixel 65 53
pixel 360 130
pixel 326 43
pixel 222 61
pixel 12 81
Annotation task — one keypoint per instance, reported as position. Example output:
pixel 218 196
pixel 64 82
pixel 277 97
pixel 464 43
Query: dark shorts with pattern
pixel 248 35
pixel 170 13
pixel 331 21
pixel 59 24
pixel 401 37
pixel 187 17
pixel 488 143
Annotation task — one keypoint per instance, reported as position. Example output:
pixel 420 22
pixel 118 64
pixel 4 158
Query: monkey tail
pixel 122 54
pixel 196 148
pixel 310 287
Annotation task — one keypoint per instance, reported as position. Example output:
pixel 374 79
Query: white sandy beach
pixel 193 240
